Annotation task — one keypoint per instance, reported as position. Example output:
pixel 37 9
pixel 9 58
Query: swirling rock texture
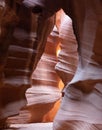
pixel 81 107
pixel 21 39
pixel 68 56
pixel 43 97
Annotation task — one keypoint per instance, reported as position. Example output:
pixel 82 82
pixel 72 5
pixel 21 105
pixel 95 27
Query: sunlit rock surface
pixel 44 95
pixel 33 126
pixel 43 98
pixel 81 107
pixel 68 55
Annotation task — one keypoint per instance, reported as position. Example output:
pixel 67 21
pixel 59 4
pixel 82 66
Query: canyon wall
pixel 23 41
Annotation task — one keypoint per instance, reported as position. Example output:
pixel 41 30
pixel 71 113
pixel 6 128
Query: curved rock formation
pixel 81 107
pixel 21 39
pixel 44 94
pixel 82 103
pixel 43 98
pixel 68 57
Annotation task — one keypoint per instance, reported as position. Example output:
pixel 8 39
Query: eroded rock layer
pixel 43 97
pixel 68 55
pixel 20 43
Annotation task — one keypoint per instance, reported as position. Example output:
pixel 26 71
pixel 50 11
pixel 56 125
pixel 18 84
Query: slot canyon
pixel 50 65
